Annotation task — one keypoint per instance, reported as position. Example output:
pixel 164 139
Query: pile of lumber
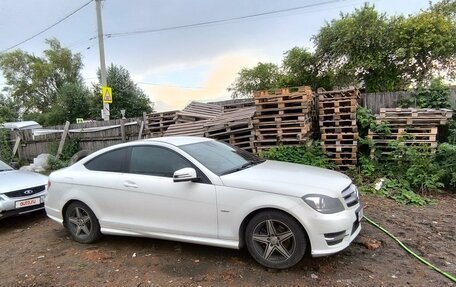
pixel 409 125
pixel 157 124
pixel 234 127
pixel 282 117
pixel 338 129
pixel 234 104
pixel 196 128
pixel 196 111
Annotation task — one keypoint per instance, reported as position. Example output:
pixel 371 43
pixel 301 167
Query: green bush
pixel 401 191
pixel 305 154
pixel 436 95
pixel 5 148
pixel 72 146
pixel 445 158
pixel 55 164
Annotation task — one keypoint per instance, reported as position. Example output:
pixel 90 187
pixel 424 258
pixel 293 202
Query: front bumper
pixel 19 211
pixel 330 233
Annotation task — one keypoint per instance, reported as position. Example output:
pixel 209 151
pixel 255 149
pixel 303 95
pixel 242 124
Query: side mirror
pixel 185 174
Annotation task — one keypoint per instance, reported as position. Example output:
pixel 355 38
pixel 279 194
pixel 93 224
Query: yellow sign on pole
pixel 106 93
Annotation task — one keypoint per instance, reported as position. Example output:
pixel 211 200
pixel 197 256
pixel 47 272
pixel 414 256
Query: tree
pixel 35 81
pixel 125 93
pixel 383 53
pixel 9 109
pixel 359 47
pixel 301 67
pixel 263 76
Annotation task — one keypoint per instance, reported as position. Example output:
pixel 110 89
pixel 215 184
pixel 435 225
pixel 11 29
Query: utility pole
pixel 106 111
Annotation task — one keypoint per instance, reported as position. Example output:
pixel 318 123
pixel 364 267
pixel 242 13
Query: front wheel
pixel 82 223
pixel 275 239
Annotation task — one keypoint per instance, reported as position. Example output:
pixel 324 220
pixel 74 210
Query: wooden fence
pixel 30 146
pixel 375 101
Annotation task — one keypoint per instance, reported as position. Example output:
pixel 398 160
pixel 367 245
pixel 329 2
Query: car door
pixel 157 204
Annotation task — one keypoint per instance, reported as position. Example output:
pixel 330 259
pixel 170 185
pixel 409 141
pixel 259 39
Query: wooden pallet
pixel 417 137
pixel 337 116
pixel 339 142
pixel 338 110
pixel 418 122
pixel 338 94
pixel 338 123
pixel 339 148
pixel 335 130
pixel 340 136
pixel 415 113
pixel 338 103
pixel 287 95
pixel 385 143
pixel 157 123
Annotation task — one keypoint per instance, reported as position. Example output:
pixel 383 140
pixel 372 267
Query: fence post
pixel 17 143
pixel 62 140
pixel 141 128
pixel 122 130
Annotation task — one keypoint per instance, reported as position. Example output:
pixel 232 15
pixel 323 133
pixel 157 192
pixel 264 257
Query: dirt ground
pixel 34 251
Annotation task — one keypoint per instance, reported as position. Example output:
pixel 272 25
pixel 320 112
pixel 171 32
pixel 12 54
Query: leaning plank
pixel 62 140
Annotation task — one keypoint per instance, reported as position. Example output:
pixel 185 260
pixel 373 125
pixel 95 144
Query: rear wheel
pixel 275 239
pixel 82 223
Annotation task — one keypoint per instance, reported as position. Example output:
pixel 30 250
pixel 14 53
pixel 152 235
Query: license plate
pixel 28 202
pixel 359 213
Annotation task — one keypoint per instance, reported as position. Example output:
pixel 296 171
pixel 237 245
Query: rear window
pixel 112 161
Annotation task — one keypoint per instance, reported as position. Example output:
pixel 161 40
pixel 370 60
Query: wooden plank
pixel 16 144
pixel 141 128
pixel 62 140
pixel 122 130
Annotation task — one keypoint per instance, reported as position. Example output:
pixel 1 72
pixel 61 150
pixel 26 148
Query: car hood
pixel 288 179
pixel 17 179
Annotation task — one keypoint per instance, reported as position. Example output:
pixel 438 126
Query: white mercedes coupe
pixel 202 191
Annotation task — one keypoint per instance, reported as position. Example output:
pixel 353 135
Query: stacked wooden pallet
pixel 282 117
pixel 234 127
pixel 410 125
pixel 337 121
pixel 157 123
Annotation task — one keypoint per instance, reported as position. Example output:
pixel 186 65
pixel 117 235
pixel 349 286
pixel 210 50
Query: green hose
pixel 446 274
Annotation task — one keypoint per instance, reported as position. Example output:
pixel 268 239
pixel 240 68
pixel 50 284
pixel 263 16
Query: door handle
pixel 130 184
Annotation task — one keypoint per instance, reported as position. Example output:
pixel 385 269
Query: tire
pixel 81 222
pixel 275 239
pixel 78 156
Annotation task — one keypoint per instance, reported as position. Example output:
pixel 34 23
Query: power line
pixel 48 28
pixel 121 34
pixel 168 85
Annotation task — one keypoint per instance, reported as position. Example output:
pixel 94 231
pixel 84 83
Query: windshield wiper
pixel 244 166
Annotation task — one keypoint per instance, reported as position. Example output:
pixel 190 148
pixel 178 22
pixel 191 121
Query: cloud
pixel 220 75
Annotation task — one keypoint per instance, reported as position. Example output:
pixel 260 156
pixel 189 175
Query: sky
pixel 176 66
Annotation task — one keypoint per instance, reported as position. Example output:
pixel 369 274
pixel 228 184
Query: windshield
pixel 4 166
pixel 221 158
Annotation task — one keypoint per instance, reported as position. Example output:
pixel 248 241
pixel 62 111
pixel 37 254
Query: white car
pixel 20 191
pixel 199 190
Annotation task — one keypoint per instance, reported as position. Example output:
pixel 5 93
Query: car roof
pixel 179 140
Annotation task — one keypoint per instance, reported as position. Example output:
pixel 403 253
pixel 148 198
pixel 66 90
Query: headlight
pixel 324 204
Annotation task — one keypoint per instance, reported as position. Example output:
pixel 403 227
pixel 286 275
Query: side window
pixel 156 161
pixel 110 161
